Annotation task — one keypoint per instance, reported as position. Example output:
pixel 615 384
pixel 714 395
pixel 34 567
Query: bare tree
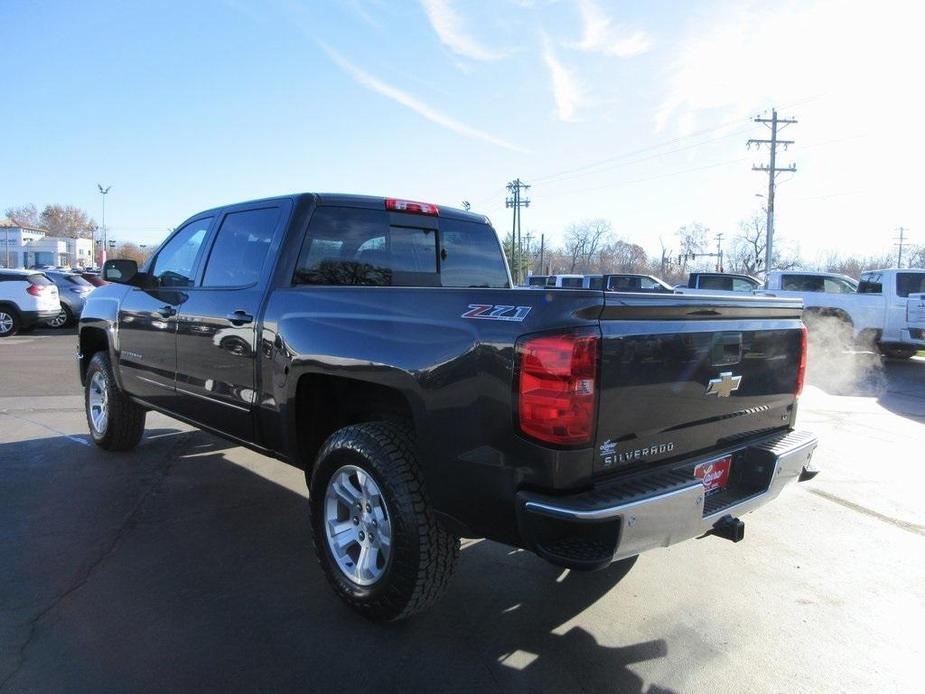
pixel 130 251
pixel 583 240
pixel 24 215
pixel 67 220
pixel 692 238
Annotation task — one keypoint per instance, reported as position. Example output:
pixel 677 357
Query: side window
pixel 740 284
pixel 572 282
pixel 870 283
pixel 240 248
pixel 596 283
pixel 836 285
pixel 910 283
pixel 716 282
pixel 471 256
pixel 174 264
pixel 802 283
pixel 649 284
pixel 346 246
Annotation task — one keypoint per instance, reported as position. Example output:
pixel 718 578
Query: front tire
pixel 116 423
pixel 375 535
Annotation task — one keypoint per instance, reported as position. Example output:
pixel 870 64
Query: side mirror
pixel 121 271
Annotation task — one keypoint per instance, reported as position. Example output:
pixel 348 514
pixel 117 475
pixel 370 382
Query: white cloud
pixel 413 103
pixel 602 35
pixel 565 89
pixel 451 29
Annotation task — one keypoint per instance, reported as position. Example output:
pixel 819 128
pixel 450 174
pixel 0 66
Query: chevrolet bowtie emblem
pixel 723 385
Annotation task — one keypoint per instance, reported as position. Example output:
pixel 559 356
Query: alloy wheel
pixel 357 525
pixel 98 403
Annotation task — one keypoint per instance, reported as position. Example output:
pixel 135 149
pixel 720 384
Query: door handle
pixel 166 311
pixel 239 318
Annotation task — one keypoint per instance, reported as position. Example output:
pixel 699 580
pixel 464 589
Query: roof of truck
pixel 373 202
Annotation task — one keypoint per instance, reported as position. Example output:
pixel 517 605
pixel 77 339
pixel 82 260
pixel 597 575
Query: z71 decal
pixel 497 312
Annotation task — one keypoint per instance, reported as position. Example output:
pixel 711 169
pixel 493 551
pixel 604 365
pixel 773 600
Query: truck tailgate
pixel 685 374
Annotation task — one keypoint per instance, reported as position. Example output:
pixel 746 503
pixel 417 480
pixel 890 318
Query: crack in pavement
pixel 908 526
pixel 127 524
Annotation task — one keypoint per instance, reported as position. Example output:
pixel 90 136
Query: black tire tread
pixel 126 419
pixel 390 448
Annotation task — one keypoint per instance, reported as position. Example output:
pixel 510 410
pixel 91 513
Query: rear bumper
pixel 658 508
pixel 30 318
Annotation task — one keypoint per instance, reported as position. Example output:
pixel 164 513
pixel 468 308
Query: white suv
pixel 26 298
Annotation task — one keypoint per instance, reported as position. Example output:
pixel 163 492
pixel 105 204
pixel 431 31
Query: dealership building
pixel 23 246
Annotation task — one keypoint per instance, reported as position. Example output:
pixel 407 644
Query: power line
pixel 515 201
pixel 776 124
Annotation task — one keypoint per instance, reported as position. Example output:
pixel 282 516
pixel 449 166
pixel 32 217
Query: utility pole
pixel 527 256
pixel 103 192
pixel 776 124
pixel 516 201
pixel 902 241
pixel 542 259
pixel 719 252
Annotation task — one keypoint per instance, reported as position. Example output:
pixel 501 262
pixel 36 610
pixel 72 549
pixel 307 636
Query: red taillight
pixel 801 373
pixel 35 290
pixel 556 387
pixel 411 207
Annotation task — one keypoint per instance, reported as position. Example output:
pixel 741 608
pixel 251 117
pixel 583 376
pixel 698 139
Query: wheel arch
pixel 325 403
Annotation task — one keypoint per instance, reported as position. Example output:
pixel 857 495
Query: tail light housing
pixel 801 372
pixel 556 386
pixel 36 290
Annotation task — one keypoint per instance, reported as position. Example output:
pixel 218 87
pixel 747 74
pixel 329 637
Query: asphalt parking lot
pixel 186 566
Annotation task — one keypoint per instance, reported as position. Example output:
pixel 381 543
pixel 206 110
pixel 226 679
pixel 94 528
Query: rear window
pixel 596 283
pixel 910 283
pixel 39 281
pixel 346 246
pixel 537 281
pixel 572 282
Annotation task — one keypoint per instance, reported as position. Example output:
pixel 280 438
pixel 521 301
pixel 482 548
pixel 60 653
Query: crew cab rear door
pixel 685 374
pixel 217 325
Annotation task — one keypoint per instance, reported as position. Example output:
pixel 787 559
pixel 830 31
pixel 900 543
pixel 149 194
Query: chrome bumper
pixel 595 528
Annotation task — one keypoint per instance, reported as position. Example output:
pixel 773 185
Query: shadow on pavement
pixel 176 569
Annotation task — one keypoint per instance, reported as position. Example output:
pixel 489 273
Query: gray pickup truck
pixel 379 345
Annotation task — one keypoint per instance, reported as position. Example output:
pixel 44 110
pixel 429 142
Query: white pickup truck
pixel 887 307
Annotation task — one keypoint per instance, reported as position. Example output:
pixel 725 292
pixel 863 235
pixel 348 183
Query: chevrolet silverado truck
pixel 379 345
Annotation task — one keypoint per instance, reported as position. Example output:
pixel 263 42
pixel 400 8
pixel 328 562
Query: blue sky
pixel 636 112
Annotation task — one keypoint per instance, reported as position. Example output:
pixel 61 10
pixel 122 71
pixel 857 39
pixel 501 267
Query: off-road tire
pixel 11 319
pixel 126 420
pixel 423 553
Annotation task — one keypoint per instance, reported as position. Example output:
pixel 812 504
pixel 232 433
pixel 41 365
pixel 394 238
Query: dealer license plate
pixel 714 473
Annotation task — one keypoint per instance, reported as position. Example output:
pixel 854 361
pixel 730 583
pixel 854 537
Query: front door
pixel 217 323
pixel 148 317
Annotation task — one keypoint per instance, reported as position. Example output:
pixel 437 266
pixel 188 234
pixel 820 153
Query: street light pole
pixel 103 192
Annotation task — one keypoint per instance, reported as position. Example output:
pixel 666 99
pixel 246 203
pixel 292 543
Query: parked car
pixel 93 278
pixel 26 298
pixel 628 282
pixel 378 344
pixel 886 308
pixel 72 293
pixel 712 282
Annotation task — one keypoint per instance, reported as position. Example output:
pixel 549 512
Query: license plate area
pixel 714 473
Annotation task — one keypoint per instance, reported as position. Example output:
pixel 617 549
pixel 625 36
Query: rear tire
pixel 412 570
pixel 64 319
pixel 116 423
pixel 892 352
pixel 10 323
